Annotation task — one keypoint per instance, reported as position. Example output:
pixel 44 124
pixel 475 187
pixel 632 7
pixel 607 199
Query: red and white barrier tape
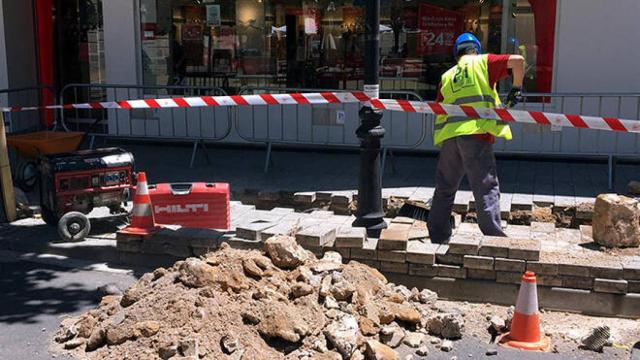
pixel 506 115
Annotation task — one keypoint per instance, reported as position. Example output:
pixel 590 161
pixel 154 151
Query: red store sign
pixel 438 29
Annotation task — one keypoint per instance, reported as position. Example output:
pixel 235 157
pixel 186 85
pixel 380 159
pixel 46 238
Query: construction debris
pixel 616 221
pixel 597 339
pixel 633 187
pixel 280 304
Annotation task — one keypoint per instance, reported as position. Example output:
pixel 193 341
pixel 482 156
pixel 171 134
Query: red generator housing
pixel 195 205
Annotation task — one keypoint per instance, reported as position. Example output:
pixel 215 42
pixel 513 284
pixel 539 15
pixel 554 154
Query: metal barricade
pixel 17 122
pixel 533 139
pixel 324 125
pixel 195 125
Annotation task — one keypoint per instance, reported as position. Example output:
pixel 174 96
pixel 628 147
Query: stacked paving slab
pixel 561 257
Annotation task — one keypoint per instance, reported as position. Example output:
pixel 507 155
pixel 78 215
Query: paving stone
pixel 549 280
pixel 342 198
pixel 252 230
pixel 521 201
pixel 402 220
pixel 372 263
pixel 423 270
pixel 469 228
pixel 507 277
pixel 572 269
pixel 461 201
pixel 518 231
pixel 282 228
pixel 451 271
pixel 153 247
pixel 456 220
pixel 450 259
pixel 321 214
pixel 543 227
pixel 394 267
pixel 542 268
pixel 631 270
pixel 178 250
pixel 609 271
pixel 481 274
pixel 634 286
pixel 464 244
pixel 610 286
pixel 267 216
pixel 543 200
pixel 322 196
pixel 442 250
pixel 525 249
pixel 398 256
pixel 495 246
pixel 395 237
pixel 577 282
pixel 344 252
pixel 478 262
pixel 350 237
pixel 206 238
pixel 418 233
pixel 268 195
pixel 505 206
pixel 122 237
pixel 304 197
pixel 129 246
pixel 244 244
pixel 562 202
pixel 282 210
pixel 419 252
pixel 584 212
pixel 586 234
pixel 367 252
pixel 317 236
pixel 511 265
pixel 318 251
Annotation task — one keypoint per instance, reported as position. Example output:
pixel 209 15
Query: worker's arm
pixel 516 64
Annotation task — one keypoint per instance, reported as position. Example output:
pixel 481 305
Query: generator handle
pixel 181 188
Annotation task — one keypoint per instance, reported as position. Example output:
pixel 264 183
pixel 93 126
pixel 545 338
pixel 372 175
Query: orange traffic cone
pixel 525 327
pixel 142 222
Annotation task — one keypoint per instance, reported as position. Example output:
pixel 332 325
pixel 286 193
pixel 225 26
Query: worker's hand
pixel 514 97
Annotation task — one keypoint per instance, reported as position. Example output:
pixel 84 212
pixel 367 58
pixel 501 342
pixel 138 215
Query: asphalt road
pixel 34 296
pixel 37 293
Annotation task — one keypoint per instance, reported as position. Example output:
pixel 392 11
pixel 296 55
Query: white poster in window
pixel 213 15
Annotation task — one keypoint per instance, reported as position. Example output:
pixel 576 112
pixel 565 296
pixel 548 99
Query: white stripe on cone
pixel 142 188
pixel 527 303
pixel 141 210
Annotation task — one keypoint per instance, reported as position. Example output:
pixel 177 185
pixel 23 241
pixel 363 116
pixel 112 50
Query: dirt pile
pixel 238 304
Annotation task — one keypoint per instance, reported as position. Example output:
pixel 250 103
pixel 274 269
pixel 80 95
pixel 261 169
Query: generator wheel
pixel 74 226
pixel 26 175
pixel 49 216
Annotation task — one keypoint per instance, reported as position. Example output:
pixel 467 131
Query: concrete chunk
pixel 478 262
pixel 395 237
pixel 419 252
pixel 464 244
pixel 525 249
pixel 572 269
pixel 507 277
pixel 511 265
pixel 610 286
pixel 609 271
pixel 495 246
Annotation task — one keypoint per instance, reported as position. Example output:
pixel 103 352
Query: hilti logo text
pixel 182 209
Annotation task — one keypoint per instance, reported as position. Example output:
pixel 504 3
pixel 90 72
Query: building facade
pixel 570 46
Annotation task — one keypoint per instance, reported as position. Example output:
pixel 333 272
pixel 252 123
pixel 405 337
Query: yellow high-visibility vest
pixel 467 83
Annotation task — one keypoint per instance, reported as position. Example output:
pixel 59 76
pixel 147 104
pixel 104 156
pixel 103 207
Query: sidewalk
pixel 319 170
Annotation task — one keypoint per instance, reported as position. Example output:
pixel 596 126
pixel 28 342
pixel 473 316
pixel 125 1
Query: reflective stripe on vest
pixel 467 83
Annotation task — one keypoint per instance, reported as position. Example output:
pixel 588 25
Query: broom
pixel 415 209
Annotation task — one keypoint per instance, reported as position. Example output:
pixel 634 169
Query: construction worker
pixel 466 144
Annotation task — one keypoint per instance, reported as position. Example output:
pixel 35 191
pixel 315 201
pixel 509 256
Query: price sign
pixel 438 28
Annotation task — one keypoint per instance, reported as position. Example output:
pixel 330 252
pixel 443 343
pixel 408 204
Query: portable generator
pixel 73 184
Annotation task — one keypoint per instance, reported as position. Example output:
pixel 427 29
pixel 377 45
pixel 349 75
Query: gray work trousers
pixel 459 156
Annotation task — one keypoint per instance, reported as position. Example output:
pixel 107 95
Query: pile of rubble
pixel 282 303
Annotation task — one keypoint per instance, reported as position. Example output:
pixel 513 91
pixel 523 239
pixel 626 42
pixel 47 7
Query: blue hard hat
pixel 464 38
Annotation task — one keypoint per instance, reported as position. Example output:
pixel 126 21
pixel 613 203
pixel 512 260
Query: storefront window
pixel 81 43
pixel 532 35
pixel 314 43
